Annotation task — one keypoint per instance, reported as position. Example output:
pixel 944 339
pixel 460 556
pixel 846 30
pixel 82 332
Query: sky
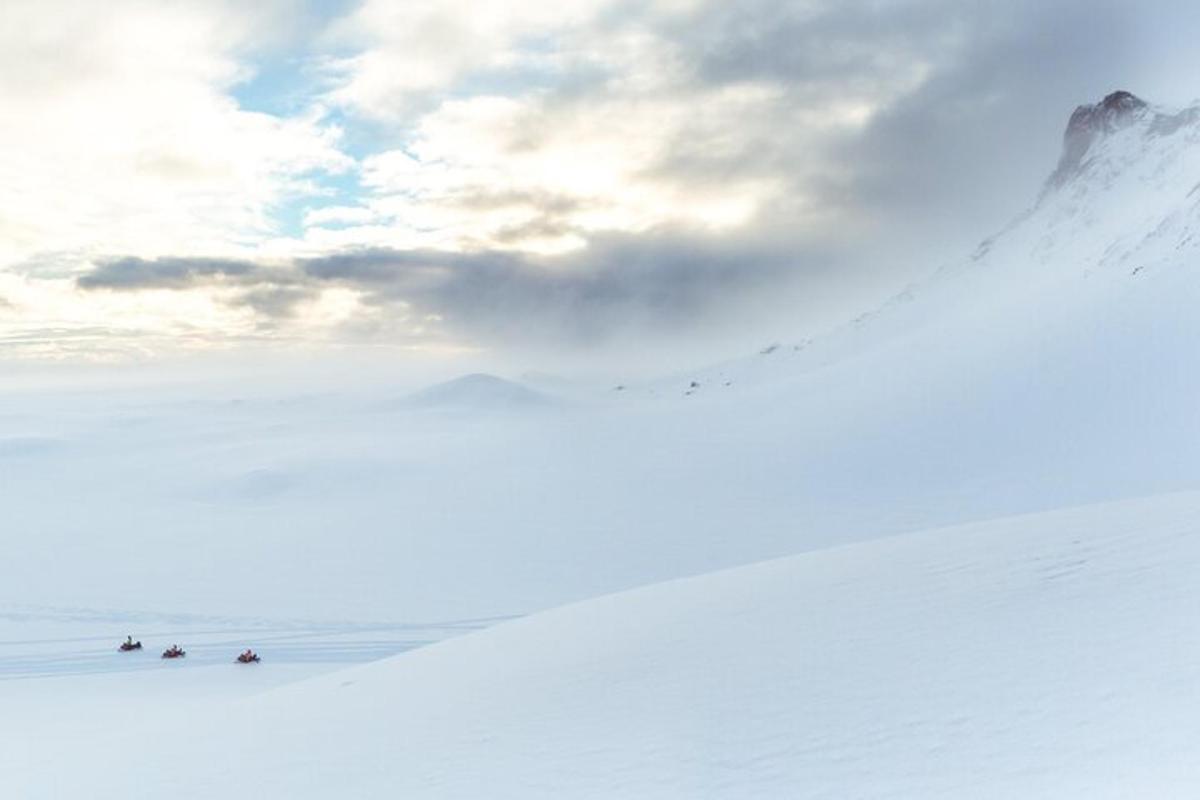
pixel 524 180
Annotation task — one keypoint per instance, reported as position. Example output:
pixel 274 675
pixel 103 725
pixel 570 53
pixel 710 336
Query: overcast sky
pixel 449 176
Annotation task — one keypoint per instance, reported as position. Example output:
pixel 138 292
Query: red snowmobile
pixel 248 657
pixel 129 645
pixel 174 651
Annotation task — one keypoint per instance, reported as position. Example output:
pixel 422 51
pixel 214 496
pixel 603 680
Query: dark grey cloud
pixel 661 282
pixel 274 301
pixel 130 272
pixel 971 146
pixel 657 283
pixel 818 47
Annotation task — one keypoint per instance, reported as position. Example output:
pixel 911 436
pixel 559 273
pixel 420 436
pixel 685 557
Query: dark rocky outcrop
pixel 1091 122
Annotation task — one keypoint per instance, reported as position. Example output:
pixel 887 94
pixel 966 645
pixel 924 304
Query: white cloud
pixel 530 174
pixel 589 139
pixel 405 50
pixel 119 134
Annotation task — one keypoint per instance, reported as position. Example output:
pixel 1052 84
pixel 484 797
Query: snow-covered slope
pixel 1045 656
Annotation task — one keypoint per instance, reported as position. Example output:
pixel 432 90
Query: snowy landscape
pixel 941 542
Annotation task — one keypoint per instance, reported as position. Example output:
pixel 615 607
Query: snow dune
pixel 1050 655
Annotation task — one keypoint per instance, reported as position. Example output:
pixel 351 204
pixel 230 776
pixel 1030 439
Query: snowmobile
pixel 128 646
pixel 248 657
pixel 174 651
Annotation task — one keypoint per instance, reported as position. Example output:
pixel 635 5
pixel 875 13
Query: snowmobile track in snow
pixel 208 640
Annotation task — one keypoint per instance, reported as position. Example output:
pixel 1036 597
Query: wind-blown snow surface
pixel 1045 656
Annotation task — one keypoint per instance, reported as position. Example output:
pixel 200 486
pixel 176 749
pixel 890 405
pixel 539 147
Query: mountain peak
pixel 1093 121
pixel 1122 101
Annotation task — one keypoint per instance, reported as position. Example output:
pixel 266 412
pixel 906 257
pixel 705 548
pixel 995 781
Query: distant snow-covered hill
pixel 478 392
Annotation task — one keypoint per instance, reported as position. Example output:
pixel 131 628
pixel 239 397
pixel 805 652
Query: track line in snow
pixel 209 641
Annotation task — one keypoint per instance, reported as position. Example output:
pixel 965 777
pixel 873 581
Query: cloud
pixel 406 54
pixel 120 132
pixel 131 272
pixel 620 284
pixel 275 302
pixel 567 172
pixel 870 125
pixel 585 296
pixel 628 118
